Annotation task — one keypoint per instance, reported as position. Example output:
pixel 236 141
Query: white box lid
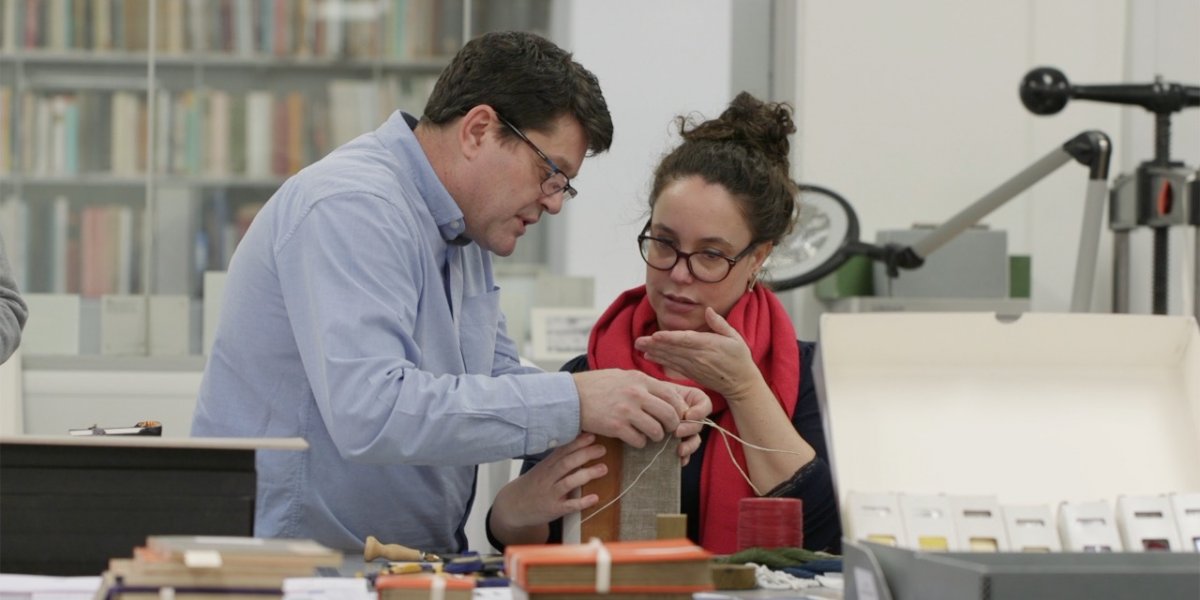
pixel 1037 410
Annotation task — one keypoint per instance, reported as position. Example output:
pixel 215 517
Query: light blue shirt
pixel 352 321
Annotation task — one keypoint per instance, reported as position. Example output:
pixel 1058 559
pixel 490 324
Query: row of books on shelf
pixel 87 250
pixel 203 133
pixel 223 223
pixel 321 29
pixel 95 249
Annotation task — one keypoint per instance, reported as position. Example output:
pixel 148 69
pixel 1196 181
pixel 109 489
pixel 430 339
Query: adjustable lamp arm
pixel 827 234
pixel 1090 148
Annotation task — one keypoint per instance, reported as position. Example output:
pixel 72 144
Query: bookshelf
pixel 138 138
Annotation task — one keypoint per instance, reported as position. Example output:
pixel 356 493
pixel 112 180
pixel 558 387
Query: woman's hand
pixel 718 360
pixel 523 508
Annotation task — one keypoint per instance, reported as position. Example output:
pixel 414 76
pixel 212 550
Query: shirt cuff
pixel 552 402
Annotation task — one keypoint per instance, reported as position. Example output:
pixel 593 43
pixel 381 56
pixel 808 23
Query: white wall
pixel 911 111
pixel 655 60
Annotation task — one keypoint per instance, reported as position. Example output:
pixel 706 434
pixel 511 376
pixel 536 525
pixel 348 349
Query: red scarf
pixel 760 319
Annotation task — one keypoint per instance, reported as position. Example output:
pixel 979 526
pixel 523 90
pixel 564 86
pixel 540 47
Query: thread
pixel 603 566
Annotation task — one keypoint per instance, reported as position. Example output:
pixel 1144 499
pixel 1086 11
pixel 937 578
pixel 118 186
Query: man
pixel 13 311
pixel 361 312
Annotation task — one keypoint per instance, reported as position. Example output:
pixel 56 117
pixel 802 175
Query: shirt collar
pixel 399 137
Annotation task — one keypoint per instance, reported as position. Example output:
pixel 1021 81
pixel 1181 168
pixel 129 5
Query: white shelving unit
pixel 172 210
pixel 129 127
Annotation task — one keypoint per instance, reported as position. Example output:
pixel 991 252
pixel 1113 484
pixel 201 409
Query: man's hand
pixel 634 407
pixel 699 407
pixel 525 506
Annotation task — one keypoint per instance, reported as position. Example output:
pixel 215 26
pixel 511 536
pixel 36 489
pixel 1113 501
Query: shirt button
pixel 456 224
pixel 553 443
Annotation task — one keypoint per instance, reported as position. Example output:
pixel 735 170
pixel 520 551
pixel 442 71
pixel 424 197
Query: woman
pixel 720 203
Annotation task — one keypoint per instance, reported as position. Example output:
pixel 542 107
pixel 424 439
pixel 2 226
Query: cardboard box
pixel 170 325
pixel 874 517
pixel 1186 510
pixel 1036 410
pixel 1016 576
pixel 1147 524
pixel 1030 528
pixel 979 522
pixel 122 325
pixel 1088 527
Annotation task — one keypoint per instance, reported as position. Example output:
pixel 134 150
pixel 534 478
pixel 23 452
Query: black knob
pixel 1045 91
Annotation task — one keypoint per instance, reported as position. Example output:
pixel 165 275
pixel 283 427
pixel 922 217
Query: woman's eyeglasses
pixel 557 181
pixel 707 266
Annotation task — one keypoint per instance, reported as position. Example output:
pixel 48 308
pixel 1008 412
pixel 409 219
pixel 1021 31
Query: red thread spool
pixel 770 523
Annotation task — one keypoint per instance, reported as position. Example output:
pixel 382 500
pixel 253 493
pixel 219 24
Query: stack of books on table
pixel 635 570
pixel 425 586
pixel 213 567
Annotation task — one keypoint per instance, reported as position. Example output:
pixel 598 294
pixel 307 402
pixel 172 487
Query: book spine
pixel 61 234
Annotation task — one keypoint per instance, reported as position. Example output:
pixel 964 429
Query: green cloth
pixel 775 558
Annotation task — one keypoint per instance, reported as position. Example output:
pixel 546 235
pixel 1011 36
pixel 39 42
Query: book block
pixel 424 586
pixel 639 567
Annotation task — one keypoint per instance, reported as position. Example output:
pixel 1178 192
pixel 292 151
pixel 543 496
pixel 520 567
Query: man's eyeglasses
pixel 557 181
pixel 707 266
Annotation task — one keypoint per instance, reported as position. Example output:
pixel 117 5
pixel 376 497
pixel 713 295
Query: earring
pixel 753 280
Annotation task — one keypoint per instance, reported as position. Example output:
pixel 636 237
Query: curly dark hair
pixel 528 80
pixel 745 150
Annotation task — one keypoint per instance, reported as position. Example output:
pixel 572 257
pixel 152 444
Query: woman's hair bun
pixel 762 127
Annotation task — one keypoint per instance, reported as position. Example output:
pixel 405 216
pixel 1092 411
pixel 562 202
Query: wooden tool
pixel 733 577
pixel 671 526
pixel 375 549
pixel 605 525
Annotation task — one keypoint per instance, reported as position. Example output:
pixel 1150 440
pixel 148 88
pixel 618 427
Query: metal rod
pixel 150 216
pixel 1160 268
pixel 1196 273
pixel 1089 245
pixel 1159 292
pixel 989 202
pixel 1120 296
